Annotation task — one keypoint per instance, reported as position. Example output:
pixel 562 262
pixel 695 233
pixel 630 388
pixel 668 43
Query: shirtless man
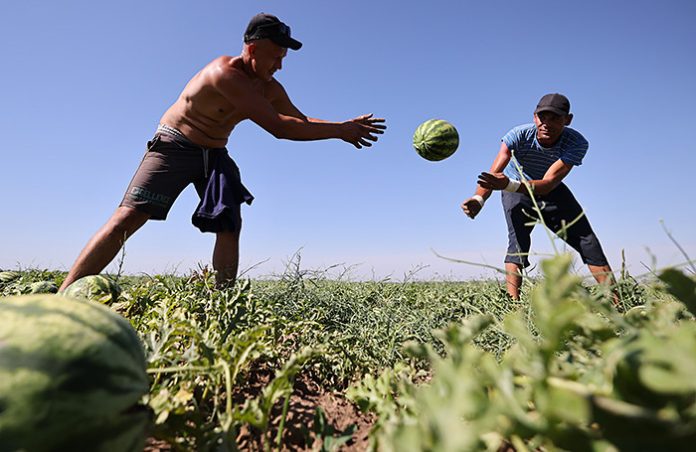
pixel 189 147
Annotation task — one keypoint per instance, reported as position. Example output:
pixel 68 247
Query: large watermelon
pixel 435 140
pixel 43 287
pixel 71 376
pixel 94 287
pixel 8 276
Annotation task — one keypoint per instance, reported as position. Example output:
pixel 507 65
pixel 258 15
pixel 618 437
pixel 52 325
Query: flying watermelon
pixel 435 139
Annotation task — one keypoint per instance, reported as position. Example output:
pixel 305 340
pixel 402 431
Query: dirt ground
pixel 307 395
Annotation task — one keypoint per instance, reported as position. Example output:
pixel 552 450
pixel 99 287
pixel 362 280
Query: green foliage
pixel 363 325
pixel 390 395
pixel 682 287
pixel 32 281
pixel 443 365
pixel 583 378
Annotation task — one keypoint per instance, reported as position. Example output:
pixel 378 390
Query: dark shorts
pixel 559 209
pixel 170 164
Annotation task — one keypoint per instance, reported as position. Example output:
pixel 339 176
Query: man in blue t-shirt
pixel 542 154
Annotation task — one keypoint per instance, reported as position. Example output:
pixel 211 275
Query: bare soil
pixel 297 435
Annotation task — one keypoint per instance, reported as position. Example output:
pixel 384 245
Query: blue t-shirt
pixel 534 159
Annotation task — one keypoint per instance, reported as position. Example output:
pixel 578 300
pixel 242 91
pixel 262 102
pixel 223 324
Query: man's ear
pixel 569 119
pixel 251 48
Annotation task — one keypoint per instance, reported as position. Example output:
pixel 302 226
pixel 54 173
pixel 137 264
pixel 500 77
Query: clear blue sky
pixel 85 83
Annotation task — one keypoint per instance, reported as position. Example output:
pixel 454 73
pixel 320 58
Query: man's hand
pixel 471 207
pixel 493 181
pixel 361 130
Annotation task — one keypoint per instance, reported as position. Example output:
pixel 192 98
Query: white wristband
pixel 480 199
pixel 513 185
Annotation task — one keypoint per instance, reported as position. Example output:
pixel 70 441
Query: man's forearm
pixel 500 162
pixel 552 179
pixel 483 192
pixel 539 187
pixel 297 129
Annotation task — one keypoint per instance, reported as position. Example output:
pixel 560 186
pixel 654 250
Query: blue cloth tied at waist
pixel 222 191
pixel 219 208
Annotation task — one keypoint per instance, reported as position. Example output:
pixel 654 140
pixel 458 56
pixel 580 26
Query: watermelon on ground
pixel 94 287
pixel 8 276
pixel 43 287
pixel 71 377
pixel 435 139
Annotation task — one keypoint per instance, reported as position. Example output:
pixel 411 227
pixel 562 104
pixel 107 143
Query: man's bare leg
pixel 603 275
pixel 226 258
pixel 105 244
pixel 513 277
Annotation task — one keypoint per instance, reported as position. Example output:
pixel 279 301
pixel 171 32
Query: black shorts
pixel 170 164
pixel 559 208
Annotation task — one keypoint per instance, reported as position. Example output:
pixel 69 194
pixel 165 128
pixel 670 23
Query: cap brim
pixel 558 111
pixel 287 42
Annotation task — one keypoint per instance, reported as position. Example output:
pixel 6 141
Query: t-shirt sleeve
pixel 512 139
pixel 575 150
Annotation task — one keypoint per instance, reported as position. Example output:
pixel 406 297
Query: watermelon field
pixel 308 362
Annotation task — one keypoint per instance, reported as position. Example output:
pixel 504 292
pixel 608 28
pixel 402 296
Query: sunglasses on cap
pixel 269 30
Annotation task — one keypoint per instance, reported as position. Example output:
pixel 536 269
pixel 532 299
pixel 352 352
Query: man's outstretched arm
pixel 283 120
pixel 472 206
pixel 282 104
pixel 496 180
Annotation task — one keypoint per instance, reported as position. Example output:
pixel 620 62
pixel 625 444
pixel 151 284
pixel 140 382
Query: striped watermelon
pixel 71 376
pixel 43 287
pixel 94 287
pixel 435 139
pixel 8 276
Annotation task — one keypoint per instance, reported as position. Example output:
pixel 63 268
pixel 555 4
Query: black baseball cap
pixel 555 103
pixel 267 26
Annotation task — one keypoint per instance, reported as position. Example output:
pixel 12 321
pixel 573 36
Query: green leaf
pixel 670 363
pixel 682 287
pixel 568 406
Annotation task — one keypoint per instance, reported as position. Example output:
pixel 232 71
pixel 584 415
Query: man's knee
pixel 227 242
pixel 126 220
pixel 230 236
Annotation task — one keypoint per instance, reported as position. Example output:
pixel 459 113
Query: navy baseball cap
pixel 267 26
pixel 555 103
